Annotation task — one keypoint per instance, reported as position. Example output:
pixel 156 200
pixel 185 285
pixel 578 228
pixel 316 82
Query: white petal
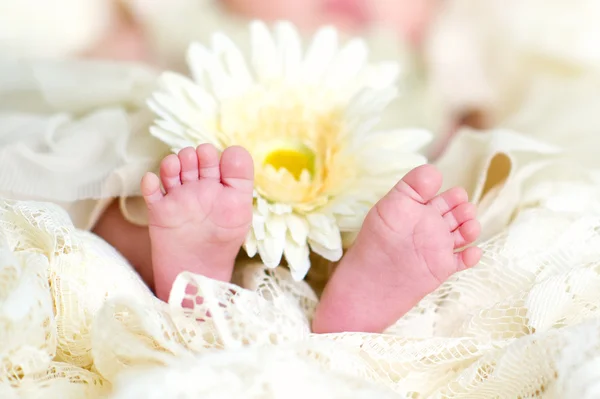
pixel 347 64
pixel 262 206
pixel 265 59
pixel 365 127
pixel 169 138
pixel 324 236
pixel 172 127
pixel 276 226
pixel 371 102
pixel 188 91
pixel 169 107
pixel 305 177
pixel 221 84
pixel 258 225
pixel 203 100
pixel 298 228
pixel 201 137
pixel 332 254
pixel 280 209
pixel 159 110
pixel 318 220
pixel 364 114
pixel 250 244
pixel 181 112
pixel 189 94
pixel 341 208
pixel 180 131
pixel 271 250
pixel 352 223
pixel 290 49
pixel 319 54
pixel 297 257
pixel 235 63
pixel 199 59
pixel 195 64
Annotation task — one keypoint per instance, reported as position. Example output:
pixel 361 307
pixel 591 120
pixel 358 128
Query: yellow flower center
pixel 299 146
pixel 294 159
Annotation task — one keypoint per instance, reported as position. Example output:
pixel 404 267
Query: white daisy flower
pixel 309 122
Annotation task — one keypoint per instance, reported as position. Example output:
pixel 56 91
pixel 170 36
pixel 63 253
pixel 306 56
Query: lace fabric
pixel 78 322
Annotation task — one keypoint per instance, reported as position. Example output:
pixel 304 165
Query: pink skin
pixel 200 222
pixel 407 247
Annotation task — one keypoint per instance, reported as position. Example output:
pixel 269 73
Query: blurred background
pixel 526 65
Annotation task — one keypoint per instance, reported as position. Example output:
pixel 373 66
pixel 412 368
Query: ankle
pixel 211 262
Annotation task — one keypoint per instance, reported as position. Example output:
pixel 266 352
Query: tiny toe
pixel 468 258
pixel 150 187
pixel 170 167
pixel 459 215
pixel 237 168
pixel 208 161
pixel 466 233
pixel 189 165
pixel 421 183
pixel 449 200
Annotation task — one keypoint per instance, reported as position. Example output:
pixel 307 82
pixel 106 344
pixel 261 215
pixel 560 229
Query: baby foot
pixel 201 221
pixel 408 245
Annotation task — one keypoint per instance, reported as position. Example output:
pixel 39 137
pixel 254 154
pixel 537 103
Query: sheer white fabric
pixel 75 132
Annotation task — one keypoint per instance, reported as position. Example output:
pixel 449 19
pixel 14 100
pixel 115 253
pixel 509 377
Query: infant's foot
pixel 406 248
pixel 201 221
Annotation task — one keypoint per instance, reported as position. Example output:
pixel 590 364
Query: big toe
pixel 422 183
pixel 237 168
